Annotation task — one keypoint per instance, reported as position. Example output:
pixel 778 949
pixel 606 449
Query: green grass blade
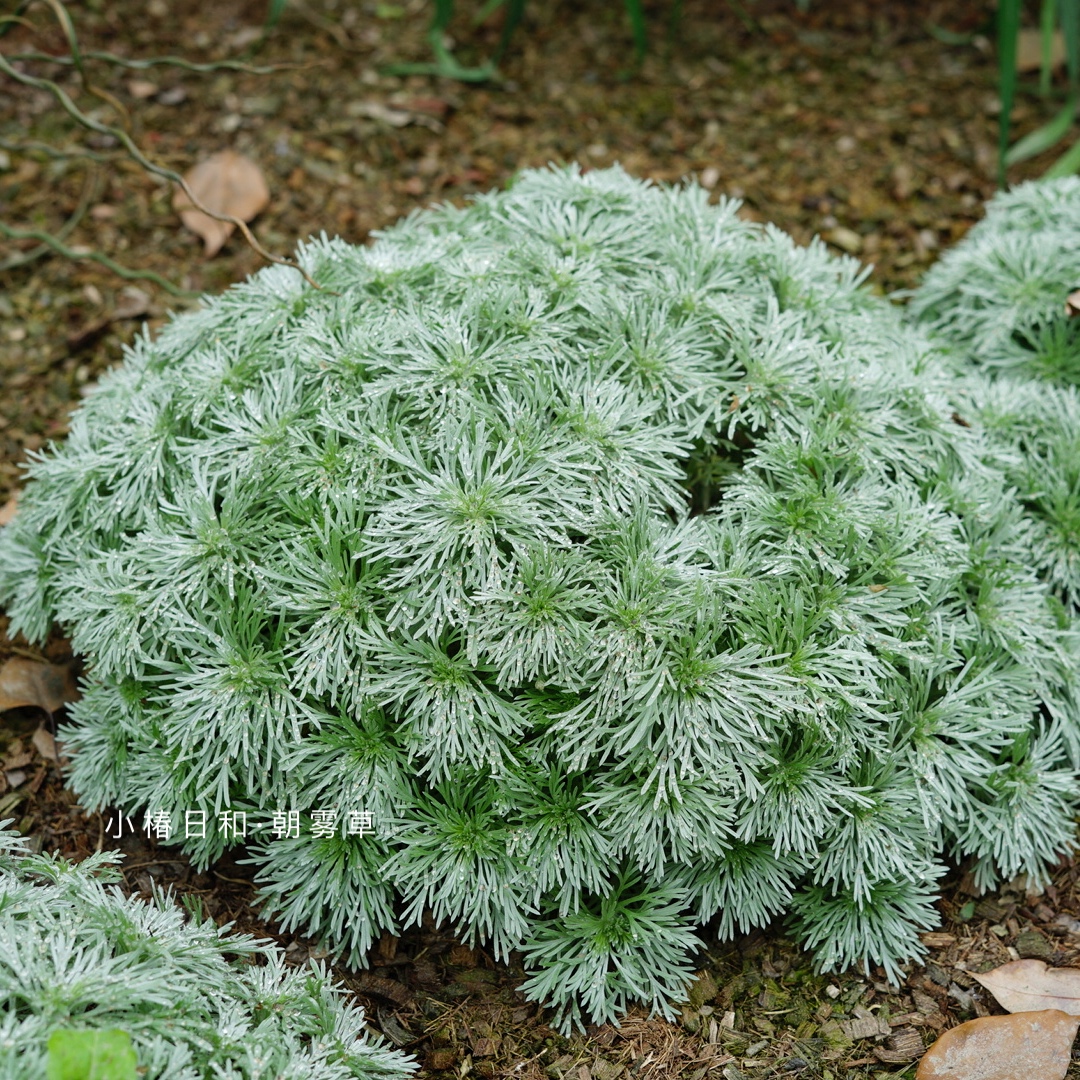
pixel 1047 22
pixel 1008 33
pixel 445 65
pixel 1067 164
pixel 745 17
pixel 514 11
pixel 444 12
pixel 948 37
pixel 275 9
pixel 1070 29
pixel 674 22
pixel 637 27
pixel 487 11
pixel 1042 138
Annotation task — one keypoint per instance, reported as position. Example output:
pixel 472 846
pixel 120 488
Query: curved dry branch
pixel 123 136
pixel 162 61
pixel 51 241
pixel 91 190
pixel 31 146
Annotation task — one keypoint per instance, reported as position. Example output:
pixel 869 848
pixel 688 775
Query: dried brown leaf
pixel 45 744
pixel 31 682
pixel 1072 304
pixel 1031 1044
pixel 141 89
pixel 933 940
pixel 7 511
pixel 1029 50
pixel 226 183
pixel 1029 985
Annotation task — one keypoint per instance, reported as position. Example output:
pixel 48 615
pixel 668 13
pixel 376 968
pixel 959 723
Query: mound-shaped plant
pixel 997 299
pixel 579 566
pixel 998 303
pixel 194 1000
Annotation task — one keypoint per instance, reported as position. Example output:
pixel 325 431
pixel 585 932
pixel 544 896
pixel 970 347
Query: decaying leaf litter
pixel 847 121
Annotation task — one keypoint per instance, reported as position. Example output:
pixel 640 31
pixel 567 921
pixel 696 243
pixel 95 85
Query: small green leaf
pixel 91 1055
pixel 637 25
pixel 967 911
pixel 1067 164
pixel 1008 32
pixel 1042 138
pixel 274 11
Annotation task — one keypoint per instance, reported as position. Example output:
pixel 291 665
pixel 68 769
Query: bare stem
pixel 61 248
pixel 91 190
pixel 160 61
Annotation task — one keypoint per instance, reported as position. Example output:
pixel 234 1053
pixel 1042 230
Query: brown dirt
pixel 850 120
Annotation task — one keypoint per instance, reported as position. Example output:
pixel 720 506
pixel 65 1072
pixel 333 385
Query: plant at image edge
pixel 623 564
pixel 96 983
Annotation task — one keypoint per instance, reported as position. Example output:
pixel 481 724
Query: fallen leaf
pixel 846 239
pixel 1028 985
pixel 1072 304
pixel 1029 50
pixel 32 682
pixel 45 744
pixel 102 1052
pixel 7 511
pixel 133 303
pixel 227 183
pixel 1036 1045
pixel 17 755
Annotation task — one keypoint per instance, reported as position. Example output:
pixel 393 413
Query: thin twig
pixel 94 256
pixel 163 61
pixel 33 147
pixel 134 152
pixel 91 190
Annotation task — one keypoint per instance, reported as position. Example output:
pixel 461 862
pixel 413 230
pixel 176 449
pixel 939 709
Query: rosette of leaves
pixel 190 999
pixel 627 564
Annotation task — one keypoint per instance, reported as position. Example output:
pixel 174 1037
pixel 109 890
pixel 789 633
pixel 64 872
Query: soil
pixel 851 120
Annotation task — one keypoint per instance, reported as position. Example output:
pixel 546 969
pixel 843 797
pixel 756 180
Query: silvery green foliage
pixel 196 1000
pixel 630 565
pixel 996 302
pixel 997 299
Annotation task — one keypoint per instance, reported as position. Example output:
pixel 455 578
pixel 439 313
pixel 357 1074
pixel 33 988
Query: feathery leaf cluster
pixel 996 303
pixel 594 563
pixel 997 299
pixel 196 1000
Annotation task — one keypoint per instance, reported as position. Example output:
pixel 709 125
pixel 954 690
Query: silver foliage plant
pixel 997 299
pixel 997 304
pixel 627 565
pixel 196 1000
